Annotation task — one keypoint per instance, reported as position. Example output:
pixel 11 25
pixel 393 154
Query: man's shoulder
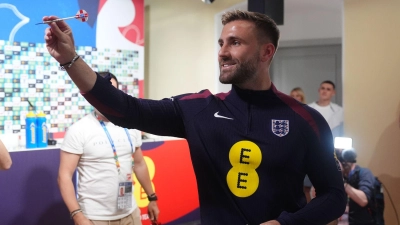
pixel 197 101
pixel 82 123
pixel 201 95
pixel 365 171
pixel 336 106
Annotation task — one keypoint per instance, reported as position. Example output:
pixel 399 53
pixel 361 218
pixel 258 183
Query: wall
pixel 371 89
pixel 180 46
pixel 306 23
pixel 312 19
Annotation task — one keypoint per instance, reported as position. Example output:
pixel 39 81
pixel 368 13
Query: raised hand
pixel 59 40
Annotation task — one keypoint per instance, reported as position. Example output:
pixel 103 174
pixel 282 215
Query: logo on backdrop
pixel 280 127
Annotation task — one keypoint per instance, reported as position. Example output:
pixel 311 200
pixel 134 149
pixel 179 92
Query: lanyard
pixel 113 146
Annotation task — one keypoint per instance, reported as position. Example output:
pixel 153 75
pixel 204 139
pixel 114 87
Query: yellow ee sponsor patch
pixel 242 179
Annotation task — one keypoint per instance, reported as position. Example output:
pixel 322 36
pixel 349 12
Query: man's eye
pixel 236 43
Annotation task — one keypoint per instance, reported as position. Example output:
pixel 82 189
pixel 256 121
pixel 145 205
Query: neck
pixel 100 116
pixel 323 102
pixel 261 83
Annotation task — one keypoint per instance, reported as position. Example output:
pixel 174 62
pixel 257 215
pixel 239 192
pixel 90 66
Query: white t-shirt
pixel 333 114
pixel 97 171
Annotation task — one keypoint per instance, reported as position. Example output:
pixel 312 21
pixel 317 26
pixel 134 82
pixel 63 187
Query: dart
pixel 81 15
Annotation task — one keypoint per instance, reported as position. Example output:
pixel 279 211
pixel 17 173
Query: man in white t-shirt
pixel 104 155
pixel 332 112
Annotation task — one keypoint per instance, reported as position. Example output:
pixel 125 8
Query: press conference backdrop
pixel 28 72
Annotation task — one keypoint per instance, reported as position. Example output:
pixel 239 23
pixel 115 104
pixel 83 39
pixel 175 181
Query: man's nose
pixel 223 52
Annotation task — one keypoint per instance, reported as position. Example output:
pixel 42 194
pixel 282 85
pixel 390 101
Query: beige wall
pixel 371 92
pixel 180 46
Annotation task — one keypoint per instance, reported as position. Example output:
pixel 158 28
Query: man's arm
pixel 142 174
pixel 68 164
pixel 325 175
pixel 363 194
pixel 357 196
pixel 5 159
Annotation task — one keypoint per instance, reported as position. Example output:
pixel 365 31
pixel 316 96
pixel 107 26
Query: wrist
pixel 67 57
pixel 79 216
pixel 152 197
pixel 67 65
pixel 75 213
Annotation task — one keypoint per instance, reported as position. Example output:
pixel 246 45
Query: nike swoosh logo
pixel 216 115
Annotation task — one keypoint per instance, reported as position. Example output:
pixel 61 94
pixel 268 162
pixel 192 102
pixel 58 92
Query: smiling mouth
pixel 227 65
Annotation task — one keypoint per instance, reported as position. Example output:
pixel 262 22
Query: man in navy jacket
pixel 250 148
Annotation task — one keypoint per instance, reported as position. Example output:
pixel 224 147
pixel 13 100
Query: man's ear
pixel 267 52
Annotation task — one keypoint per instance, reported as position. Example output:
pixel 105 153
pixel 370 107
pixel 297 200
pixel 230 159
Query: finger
pixel 55 29
pixel 58 26
pixel 151 215
pixel 47 18
pixel 156 215
pixel 48 35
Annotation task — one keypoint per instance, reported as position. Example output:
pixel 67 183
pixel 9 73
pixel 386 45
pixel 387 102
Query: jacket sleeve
pixel 325 174
pixel 366 183
pixel 161 117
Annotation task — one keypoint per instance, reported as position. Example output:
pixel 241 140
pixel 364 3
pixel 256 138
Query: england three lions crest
pixel 280 127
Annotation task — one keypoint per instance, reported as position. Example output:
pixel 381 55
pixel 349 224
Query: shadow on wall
pixel 37 194
pixel 385 164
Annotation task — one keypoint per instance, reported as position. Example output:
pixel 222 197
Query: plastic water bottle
pixel 30 130
pixel 41 130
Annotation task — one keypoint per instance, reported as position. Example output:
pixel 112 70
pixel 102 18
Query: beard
pixel 244 71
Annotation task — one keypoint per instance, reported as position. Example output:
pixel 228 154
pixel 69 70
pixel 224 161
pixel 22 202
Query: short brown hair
pixel 264 24
pixel 329 82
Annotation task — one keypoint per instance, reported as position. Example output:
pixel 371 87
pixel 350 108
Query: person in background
pixel 332 112
pixel 5 158
pixel 298 94
pixel 250 148
pixel 359 186
pixel 104 155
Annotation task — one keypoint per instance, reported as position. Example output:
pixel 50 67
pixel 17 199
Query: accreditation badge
pixel 124 200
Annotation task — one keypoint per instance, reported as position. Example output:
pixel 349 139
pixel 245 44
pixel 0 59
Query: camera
pixel 208 1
